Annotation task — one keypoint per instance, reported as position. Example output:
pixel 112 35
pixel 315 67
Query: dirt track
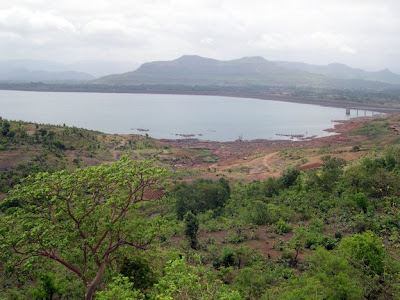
pixel 260 159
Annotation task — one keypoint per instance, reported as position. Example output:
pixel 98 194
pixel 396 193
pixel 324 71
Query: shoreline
pixel 265 97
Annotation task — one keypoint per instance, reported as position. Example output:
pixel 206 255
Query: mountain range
pixel 199 71
pixel 193 70
pixel 337 70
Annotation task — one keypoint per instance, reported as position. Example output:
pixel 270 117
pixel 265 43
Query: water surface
pixel 166 116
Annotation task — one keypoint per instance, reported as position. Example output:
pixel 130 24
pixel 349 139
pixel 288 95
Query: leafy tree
pixel 80 219
pixel 251 283
pixel 324 283
pixel 282 227
pixel 333 163
pixel 200 196
pixel 332 169
pixel 257 213
pixel 361 201
pixel 119 289
pixel 139 272
pixel 5 128
pixel 47 289
pixel 365 251
pixel 225 184
pixel 228 257
pixel 261 213
pixel 336 274
pixel 270 187
pixel 191 229
pixel 182 281
pixel 298 242
pixel 289 177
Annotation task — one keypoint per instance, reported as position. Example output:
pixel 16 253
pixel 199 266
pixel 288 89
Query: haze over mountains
pixel 27 70
pixel 196 70
pixel 193 70
pixel 337 70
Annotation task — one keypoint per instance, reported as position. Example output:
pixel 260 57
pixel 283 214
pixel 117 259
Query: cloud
pixel 362 33
pixel 24 21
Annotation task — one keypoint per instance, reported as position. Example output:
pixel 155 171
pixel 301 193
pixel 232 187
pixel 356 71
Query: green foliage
pixel 288 178
pixel 371 131
pixel 191 229
pixel 329 277
pixel 80 219
pixel 200 196
pixel 5 128
pixel 344 217
pixel 350 272
pixel 139 273
pixel 182 281
pixel 251 283
pixel 282 227
pixel 228 257
pixel 360 200
pixel 332 169
pixel 365 251
pixel 120 288
pixel 46 290
pixel 298 242
pixel 261 213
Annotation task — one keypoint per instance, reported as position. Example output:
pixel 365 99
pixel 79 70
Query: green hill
pixel 250 71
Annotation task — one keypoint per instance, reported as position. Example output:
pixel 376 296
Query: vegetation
pixel 79 219
pixel 73 231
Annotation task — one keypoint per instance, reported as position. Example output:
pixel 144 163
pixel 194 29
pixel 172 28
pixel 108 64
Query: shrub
pixel 282 227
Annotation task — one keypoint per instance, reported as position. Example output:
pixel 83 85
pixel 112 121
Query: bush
pixel 191 229
pixel 228 258
pixel 200 196
pixel 282 227
pixel 139 272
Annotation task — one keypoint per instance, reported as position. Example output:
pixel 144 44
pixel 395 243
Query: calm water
pixel 164 116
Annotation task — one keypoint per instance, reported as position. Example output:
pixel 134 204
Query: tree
pixel 298 242
pixel 5 128
pixel 200 196
pixel 46 289
pixel 81 219
pixel 332 169
pixel 191 229
pixel 365 251
pixel 182 281
pixel 119 289
pixel 289 177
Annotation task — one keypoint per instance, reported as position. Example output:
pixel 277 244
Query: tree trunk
pixel 91 287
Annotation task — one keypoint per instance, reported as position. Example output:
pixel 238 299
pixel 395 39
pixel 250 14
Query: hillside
pixel 248 71
pixel 238 220
pixel 337 70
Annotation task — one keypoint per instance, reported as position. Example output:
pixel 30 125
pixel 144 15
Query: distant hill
pixel 343 72
pixel 200 71
pixel 23 75
pixel 35 70
pixel 102 68
pixel 196 70
pixel 26 70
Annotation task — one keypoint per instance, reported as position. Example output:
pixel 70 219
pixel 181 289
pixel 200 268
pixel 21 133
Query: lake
pixel 214 118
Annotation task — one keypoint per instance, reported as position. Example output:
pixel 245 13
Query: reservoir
pixel 214 118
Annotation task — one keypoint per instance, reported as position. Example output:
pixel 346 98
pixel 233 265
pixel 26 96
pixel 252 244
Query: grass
pixel 201 152
pixel 371 131
pixel 211 160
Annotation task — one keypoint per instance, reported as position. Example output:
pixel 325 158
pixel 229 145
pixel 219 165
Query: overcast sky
pixel 360 33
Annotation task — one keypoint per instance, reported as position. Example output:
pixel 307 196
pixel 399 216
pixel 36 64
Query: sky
pixel 361 33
